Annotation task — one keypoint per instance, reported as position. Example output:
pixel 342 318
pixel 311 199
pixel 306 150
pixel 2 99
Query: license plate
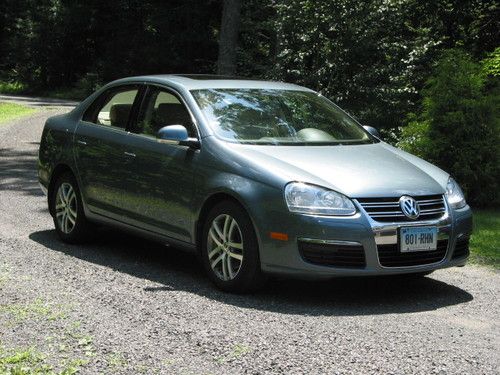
pixel 418 239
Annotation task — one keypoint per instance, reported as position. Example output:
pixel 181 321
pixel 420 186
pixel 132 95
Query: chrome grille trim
pixel 388 209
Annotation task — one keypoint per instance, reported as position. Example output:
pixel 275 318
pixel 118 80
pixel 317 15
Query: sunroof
pixel 205 77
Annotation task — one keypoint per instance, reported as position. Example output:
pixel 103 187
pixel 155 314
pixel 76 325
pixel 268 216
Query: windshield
pixel 280 117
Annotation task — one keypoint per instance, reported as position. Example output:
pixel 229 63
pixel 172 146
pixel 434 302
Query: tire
pixel 67 208
pixel 234 268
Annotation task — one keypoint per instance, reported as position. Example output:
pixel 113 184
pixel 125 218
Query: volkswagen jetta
pixel 257 177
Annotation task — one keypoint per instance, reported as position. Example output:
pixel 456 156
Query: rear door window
pixel 113 108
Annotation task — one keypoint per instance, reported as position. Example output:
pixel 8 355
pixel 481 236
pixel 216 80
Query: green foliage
pixel 458 128
pixel 12 87
pixel 257 42
pixel 491 64
pixel 485 241
pixel 49 44
pixel 414 137
pixel 22 362
pixel 373 57
pixel 30 362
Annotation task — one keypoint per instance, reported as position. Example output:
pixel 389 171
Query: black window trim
pixel 147 87
pixel 98 102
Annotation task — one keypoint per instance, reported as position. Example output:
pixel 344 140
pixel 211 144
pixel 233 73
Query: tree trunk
pixel 228 38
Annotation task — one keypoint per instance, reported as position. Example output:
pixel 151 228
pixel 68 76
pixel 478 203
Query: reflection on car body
pixel 259 177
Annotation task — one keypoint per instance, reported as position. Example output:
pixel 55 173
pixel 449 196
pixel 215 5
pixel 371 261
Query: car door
pixel 161 177
pixel 100 154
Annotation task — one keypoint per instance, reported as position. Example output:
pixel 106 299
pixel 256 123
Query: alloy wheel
pixel 225 247
pixel 66 207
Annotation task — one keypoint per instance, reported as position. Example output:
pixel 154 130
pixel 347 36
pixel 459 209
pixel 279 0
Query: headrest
pixel 118 114
pixel 172 114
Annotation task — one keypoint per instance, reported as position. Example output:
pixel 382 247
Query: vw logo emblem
pixel 409 206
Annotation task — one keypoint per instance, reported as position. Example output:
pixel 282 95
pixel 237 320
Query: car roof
pixel 206 81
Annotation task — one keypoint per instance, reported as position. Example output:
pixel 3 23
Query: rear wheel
pixel 230 249
pixel 66 206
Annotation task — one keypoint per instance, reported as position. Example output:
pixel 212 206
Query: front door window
pixel 163 108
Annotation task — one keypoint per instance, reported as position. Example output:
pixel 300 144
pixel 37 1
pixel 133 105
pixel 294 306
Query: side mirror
pixel 177 135
pixel 372 131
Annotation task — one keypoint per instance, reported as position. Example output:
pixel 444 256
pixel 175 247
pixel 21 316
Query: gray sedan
pixel 256 177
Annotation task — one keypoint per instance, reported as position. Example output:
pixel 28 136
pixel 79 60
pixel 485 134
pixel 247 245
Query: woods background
pixel 425 72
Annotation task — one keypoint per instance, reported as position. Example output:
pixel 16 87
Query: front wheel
pixel 67 209
pixel 230 249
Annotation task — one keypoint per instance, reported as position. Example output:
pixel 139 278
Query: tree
pixel 228 38
pixel 459 126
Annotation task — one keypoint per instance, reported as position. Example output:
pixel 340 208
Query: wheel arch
pixel 58 170
pixel 208 204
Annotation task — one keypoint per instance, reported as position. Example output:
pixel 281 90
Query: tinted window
pixel 162 108
pixel 113 108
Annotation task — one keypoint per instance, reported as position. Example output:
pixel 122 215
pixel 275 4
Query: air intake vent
pixel 390 256
pixel 388 209
pixel 333 255
pixel 461 248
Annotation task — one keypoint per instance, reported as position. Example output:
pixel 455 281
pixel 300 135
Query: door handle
pixel 131 154
pixel 83 143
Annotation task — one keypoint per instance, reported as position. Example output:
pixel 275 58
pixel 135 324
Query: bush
pixel 7 87
pixel 491 64
pixel 458 128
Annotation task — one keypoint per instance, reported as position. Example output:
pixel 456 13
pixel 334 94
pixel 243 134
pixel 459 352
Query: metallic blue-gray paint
pixel 161 193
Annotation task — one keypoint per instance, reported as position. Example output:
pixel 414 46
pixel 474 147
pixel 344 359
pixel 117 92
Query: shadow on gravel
pixel 18 171
pixel 177 270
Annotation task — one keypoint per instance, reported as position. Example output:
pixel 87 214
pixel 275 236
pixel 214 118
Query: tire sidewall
pixel 250 268
pixel 80 229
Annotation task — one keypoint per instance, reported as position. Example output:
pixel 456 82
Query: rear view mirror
pixel 177 134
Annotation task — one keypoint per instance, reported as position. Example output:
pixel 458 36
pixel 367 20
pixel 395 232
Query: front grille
pixel 390 256
pixel 461 248
pixel 333 255
pixel 388 209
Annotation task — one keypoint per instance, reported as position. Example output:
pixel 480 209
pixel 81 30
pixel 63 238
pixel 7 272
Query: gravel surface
pixel 125 305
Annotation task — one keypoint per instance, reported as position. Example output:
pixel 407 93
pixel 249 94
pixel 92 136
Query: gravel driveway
pixel 126 305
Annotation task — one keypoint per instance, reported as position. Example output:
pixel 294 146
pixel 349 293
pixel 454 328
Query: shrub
pixel 458 127
pixel 491 64
pixel 7 87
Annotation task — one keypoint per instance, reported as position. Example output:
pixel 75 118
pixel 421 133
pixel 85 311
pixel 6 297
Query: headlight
pixel 315 200
pixel 454 194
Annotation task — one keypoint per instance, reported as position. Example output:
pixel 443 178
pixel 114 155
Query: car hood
pixel 373 170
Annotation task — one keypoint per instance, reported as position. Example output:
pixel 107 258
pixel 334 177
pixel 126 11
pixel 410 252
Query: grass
pixel 11 111
pixel 64 353
pixel 485 240
pixel 37 309
pixel 30 362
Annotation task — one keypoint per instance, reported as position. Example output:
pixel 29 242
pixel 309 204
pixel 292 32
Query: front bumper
pixel 284 257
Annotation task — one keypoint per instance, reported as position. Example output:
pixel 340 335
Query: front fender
pixel 264 203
